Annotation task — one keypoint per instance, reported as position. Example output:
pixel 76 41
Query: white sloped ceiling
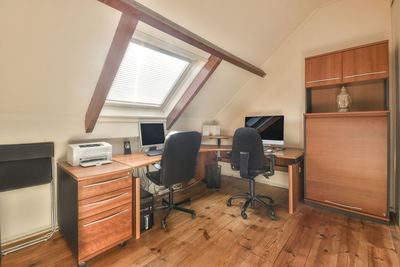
pixel 252 30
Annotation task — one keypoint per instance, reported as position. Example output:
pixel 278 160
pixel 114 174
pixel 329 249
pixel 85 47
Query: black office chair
pixel 178 165
pixel 248 156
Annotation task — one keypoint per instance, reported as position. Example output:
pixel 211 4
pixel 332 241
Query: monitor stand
pixel 152 148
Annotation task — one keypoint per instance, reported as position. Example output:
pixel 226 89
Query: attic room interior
pixel 200 133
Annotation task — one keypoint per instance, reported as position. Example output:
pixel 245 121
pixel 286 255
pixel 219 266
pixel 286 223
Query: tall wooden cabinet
pixel 347 153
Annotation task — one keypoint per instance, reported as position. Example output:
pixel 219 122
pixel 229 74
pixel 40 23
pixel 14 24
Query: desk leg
pixel 136 208
pixel 295 186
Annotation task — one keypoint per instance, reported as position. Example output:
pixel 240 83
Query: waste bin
pixel 213 175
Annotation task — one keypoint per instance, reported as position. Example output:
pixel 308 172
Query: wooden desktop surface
pixel 80 174
pixel 140 159
pixel 290 157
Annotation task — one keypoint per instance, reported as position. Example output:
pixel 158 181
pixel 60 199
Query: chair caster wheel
pixel 163 225
pixel 82 264
pixel 193 215
pixel 123 244
pixel 244 215
pixel 272 217
pixel 229 203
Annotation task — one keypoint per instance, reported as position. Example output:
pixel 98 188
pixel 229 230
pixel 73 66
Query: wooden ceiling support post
pixel 197 83
pixel 120 42
pixel 163 24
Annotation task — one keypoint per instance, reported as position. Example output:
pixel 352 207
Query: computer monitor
pixel 151 134
pixel 269 127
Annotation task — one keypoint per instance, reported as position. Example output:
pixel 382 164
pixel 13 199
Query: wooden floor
pixel 219 236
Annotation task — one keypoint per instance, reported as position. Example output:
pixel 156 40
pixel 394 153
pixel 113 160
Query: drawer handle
pixel 106 182
pixel 105 219
pixel 103 201
pixel 365 74
pixel 341 205
pixel 324 80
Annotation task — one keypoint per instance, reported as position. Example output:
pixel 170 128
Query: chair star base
pixel 251 198
pixel 170 205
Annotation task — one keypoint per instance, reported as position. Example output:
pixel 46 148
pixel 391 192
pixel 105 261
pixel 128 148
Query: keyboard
pixel 152 153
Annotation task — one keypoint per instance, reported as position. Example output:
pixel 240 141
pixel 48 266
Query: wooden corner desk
pixel 289 160
pixel 99 207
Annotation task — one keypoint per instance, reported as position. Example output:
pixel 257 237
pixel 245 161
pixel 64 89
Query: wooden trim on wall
pixel 120 42
pixel 196 85
pixel 163 24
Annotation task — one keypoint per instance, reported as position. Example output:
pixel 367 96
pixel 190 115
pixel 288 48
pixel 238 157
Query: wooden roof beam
pixel 196 85
pixel 120 42
pixel 163 24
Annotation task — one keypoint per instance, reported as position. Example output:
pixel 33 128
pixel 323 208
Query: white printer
pixel 89 154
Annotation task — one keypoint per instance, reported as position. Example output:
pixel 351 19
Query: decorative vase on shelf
pixel 343 100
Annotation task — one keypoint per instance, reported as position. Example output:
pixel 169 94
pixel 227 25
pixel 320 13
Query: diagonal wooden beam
pixel 198 82
pixel 120 42
pixel 157 21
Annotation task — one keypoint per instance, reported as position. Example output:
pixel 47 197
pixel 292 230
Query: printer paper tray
pixel 94 163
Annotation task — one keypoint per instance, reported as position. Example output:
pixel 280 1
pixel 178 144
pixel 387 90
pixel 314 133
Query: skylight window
pixel 147 75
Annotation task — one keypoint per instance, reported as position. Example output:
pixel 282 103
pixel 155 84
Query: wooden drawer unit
pixel 366 63
pixel 94 207
pixel 346 161
pixel 324 70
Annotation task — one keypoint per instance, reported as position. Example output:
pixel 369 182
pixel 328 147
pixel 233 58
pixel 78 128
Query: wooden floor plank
pixel 298 246
pixel 220 237
pixel 352 251
pixel 325 248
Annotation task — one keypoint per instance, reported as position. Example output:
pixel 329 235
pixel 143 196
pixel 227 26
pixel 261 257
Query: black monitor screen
pixel 152 133
pixel 269 127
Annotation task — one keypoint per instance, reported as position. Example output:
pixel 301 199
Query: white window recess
pixel 154 74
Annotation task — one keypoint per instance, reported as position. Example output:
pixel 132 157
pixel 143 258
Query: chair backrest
pixel 179 159
pixel 247 139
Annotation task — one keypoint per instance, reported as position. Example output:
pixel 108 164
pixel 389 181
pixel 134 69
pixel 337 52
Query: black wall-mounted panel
pixel 25 165
pixel 26 151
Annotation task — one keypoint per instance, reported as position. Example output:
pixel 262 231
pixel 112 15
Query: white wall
pixel 51 55
pixel 340 25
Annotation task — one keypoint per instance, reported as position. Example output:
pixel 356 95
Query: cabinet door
pixel 346 162
pixel 324 70
pixel 366 63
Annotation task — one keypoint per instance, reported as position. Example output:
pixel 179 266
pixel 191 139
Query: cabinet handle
pixel 106 182
pixel 103 201
pixel 324 80
pixel 365 74
pixel 105 219
pixel 341 205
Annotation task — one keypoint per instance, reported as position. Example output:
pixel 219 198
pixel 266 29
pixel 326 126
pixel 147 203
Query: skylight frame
pixel 155 44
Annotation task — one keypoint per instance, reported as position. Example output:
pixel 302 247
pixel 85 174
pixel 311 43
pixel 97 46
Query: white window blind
pixel 146 75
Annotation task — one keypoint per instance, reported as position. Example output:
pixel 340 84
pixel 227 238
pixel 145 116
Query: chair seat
pixel 154 177
pixel 254 173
